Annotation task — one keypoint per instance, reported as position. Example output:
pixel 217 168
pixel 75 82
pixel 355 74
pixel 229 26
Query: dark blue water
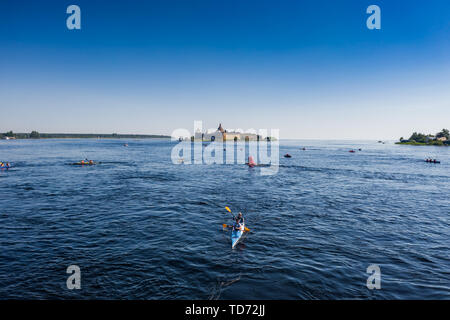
pixel 141 227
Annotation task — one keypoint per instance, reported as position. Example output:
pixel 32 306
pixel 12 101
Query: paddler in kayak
pixel 251 162
pixel 238 230
pixel 239 222
pixel 85 162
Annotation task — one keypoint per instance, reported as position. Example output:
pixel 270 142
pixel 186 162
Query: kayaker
pixel 239 223
pixel 251 162
pixel 91 162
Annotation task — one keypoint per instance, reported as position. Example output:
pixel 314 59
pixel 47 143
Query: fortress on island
pixel 223 135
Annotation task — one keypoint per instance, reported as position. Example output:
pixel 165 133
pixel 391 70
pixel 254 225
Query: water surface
pixel 141 227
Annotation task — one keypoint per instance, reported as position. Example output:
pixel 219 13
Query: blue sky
pixel 310 68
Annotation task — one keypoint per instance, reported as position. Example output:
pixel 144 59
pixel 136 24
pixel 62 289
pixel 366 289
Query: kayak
pixel 83 164
pixel 236 235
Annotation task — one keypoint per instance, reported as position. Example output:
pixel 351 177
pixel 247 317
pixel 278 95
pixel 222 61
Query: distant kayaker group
pixel 84 162
pixel 5 165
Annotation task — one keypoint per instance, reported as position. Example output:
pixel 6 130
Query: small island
pixel 441 138
pixel 36 135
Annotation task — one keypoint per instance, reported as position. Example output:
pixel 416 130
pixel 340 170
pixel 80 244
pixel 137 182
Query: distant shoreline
pixel 23 136
pixel 414 143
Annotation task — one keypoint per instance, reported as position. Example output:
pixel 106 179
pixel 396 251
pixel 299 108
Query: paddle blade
pixel 228 209
pixel 224 226
pixel 246 229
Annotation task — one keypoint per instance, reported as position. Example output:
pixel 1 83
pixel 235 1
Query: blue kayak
pixel 236 235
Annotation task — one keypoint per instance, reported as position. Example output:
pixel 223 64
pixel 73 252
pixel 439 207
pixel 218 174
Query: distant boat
pixel 287 155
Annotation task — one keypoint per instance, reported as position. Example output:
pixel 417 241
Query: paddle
pixel 227 226
pixel 228 209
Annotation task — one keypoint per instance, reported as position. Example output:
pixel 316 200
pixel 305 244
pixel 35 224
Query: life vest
pixel 239 225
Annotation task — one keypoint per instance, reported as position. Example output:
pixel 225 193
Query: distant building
pixel 223 135
pixel 442 139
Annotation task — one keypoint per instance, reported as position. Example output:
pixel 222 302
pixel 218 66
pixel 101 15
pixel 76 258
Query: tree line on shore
pixel 37 135
pixel 439 139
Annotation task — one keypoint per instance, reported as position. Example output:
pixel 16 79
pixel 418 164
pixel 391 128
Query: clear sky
pixel 310 68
